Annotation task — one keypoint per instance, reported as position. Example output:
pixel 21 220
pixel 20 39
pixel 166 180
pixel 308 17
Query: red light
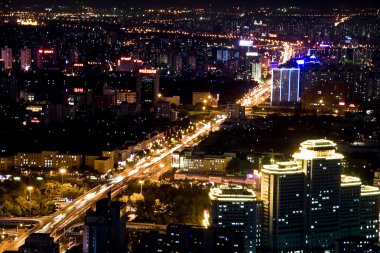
pixel 78 90
pixel 147 71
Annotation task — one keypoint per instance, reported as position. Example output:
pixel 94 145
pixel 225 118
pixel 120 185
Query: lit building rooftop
pixel 318 144
pixel 314 149
pixel 347 181
pixel 368 190
pixel 232 193
pixel 288 167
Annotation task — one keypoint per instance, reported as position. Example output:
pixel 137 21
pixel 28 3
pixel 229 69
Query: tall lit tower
pixel 285 86
pixel 26 58
pixel 350 206
pixel 369 212
pixel 147 86
pixel 322 167
pixel 6 55
pixel 282 193
pixel 236 208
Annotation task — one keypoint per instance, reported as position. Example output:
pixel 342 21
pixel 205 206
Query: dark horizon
pixel 217 4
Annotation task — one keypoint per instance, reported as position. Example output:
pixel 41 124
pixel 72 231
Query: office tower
pixel 73 54
pixel 6 55
pixel 236 208
pixel 39 243
pixel 46 58
pixel 369 212
pixel 282 193
pixel 235 111
pixel 255 71
pixel 322 167
pixel 349 206
pixel 104 229
pixel 26 58
pixel 285 89
pixel 147 86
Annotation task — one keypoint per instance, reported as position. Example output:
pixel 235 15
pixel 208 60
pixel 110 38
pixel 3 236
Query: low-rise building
pixel 187 160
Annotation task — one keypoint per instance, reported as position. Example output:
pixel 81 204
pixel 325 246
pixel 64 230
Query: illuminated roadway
pixel 256 96
pixel 56 223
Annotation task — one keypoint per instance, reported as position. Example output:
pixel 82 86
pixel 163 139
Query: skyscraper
pixel 369 212
pixel 285 88
pixel 322 168
pixel 349 206
pixel 26 58
pixel 147 86
pixel 282 193
pixel 6 55
pixel 236 208
pixel 256 71
pixel 105 229
pixel 46 58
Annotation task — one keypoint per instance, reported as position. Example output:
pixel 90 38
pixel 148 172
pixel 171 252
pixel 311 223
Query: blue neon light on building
pixel 285 86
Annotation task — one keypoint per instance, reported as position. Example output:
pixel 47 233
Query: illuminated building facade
pixel 349 206
pixel 26 58
pixel 47 159
pixel 189 161
pixel 309 204
pixel 46 58
pixel 322 167
pixel 282 193
pixel 255 71
pixel 6 55
pixel 369 212
pixel 147 86
pixel 199 97
pixel 238 209
pixel 285 86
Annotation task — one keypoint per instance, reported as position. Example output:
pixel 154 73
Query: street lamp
pixel 141 182
pixel 62 171
pixel 18 226
pixel 30 188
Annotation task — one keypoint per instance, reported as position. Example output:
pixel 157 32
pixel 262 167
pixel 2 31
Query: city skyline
pixel 191 126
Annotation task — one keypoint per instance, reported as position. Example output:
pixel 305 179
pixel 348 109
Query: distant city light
pixel 245 43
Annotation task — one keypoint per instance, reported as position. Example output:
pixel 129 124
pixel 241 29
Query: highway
pixel 145 169
pixel 256 96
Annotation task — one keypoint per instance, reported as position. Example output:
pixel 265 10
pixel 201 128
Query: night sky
pixel 320 4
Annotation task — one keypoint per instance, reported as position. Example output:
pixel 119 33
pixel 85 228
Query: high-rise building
pixel 282 193
pixel 46 58
pixel 322 167
pixel 255 71
pixel 147 86
pixel 285 87
pixel 26 58
pixel 105 229
pixel 6 55
pixel 349 206
pixel 236 208
pixel 369 212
